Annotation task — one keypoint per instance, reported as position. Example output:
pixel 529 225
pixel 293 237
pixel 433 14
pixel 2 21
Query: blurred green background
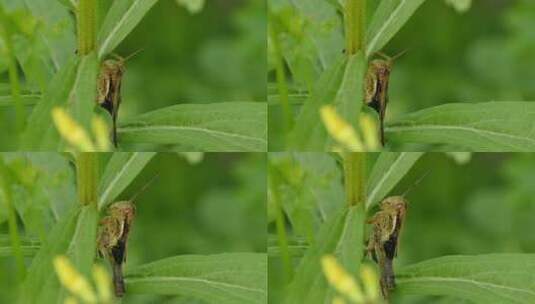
pixel 213 203
pixel 215 55
pixel 465 204
pixel 483 54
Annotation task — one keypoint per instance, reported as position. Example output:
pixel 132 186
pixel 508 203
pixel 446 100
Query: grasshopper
pixel 383 243
pixel 109 88
pixel 376 87
pixel 384 239
pixel 113 236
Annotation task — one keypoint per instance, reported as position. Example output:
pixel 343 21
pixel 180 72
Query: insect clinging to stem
pixel 384 239
pixel 113 236
pixel 383 244
pixel 376 86
pixel 109 87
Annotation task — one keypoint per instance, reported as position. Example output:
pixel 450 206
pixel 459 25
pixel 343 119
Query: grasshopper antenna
pixel 147 184
pixel 125 59
pixel 415 184
pixel 392 59
pixel 133 54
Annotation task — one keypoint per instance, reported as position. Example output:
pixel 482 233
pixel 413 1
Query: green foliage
pixel 176 201
pixel 342 235
pixel 341 87
pixel 223 278
pixel 481 205
pixel 84 93
pixel 120 171
pixel 45 50
pixel 462 73
pixel 41 278
pixel 387 171
pixel 123 16
pixel 491 126
pixel 82 247
pixel 496 278
pixel 40 135
pixel 388 19
pixel 228 126
pixel 338 82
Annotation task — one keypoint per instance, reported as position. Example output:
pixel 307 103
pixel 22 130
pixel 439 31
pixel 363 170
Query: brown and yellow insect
pixel 376 87
pixel 109 88
pixel 113 236
pixel 383 243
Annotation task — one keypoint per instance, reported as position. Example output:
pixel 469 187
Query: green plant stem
pixel 13 71
pixel 87 177
pixel 354 178
pixel 355 25
pixel 281 79
pixel 87 26
pixel 14 236
pixel 281 226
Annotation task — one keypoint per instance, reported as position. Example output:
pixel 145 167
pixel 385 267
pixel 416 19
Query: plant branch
pixel 87 177
pixel 87 26
pixel 280 225
pixel 354 178
pixel 5 188
pixel 355 25
pixel 281 79
pixel 12 70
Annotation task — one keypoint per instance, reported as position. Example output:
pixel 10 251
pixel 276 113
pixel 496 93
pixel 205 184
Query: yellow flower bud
pixel 340 279
pixel 71 279
pixel 340 130
pixel 71 131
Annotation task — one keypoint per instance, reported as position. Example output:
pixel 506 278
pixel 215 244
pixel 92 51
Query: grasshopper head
pixel 123 209
pixel 381 67
pixel 394 203
pixel 114 66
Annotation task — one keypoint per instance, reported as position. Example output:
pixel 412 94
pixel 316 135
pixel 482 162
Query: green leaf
pixel 297 247
pixel 226 126
pixel 29 246
pixel 219 279
pixel 321 29
pixel 121 19
pixel 490 126
pixel 388 19
pixel 41 279
pixel 387 171
pixel 340 86
pixel 82 248
pixel 84 94
pixel 492 278
pixel 26 99
pixel 342 236
pixel 27 250
pixel 57 30
pixel 121 170
pixel 40 133
pixel 309 35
